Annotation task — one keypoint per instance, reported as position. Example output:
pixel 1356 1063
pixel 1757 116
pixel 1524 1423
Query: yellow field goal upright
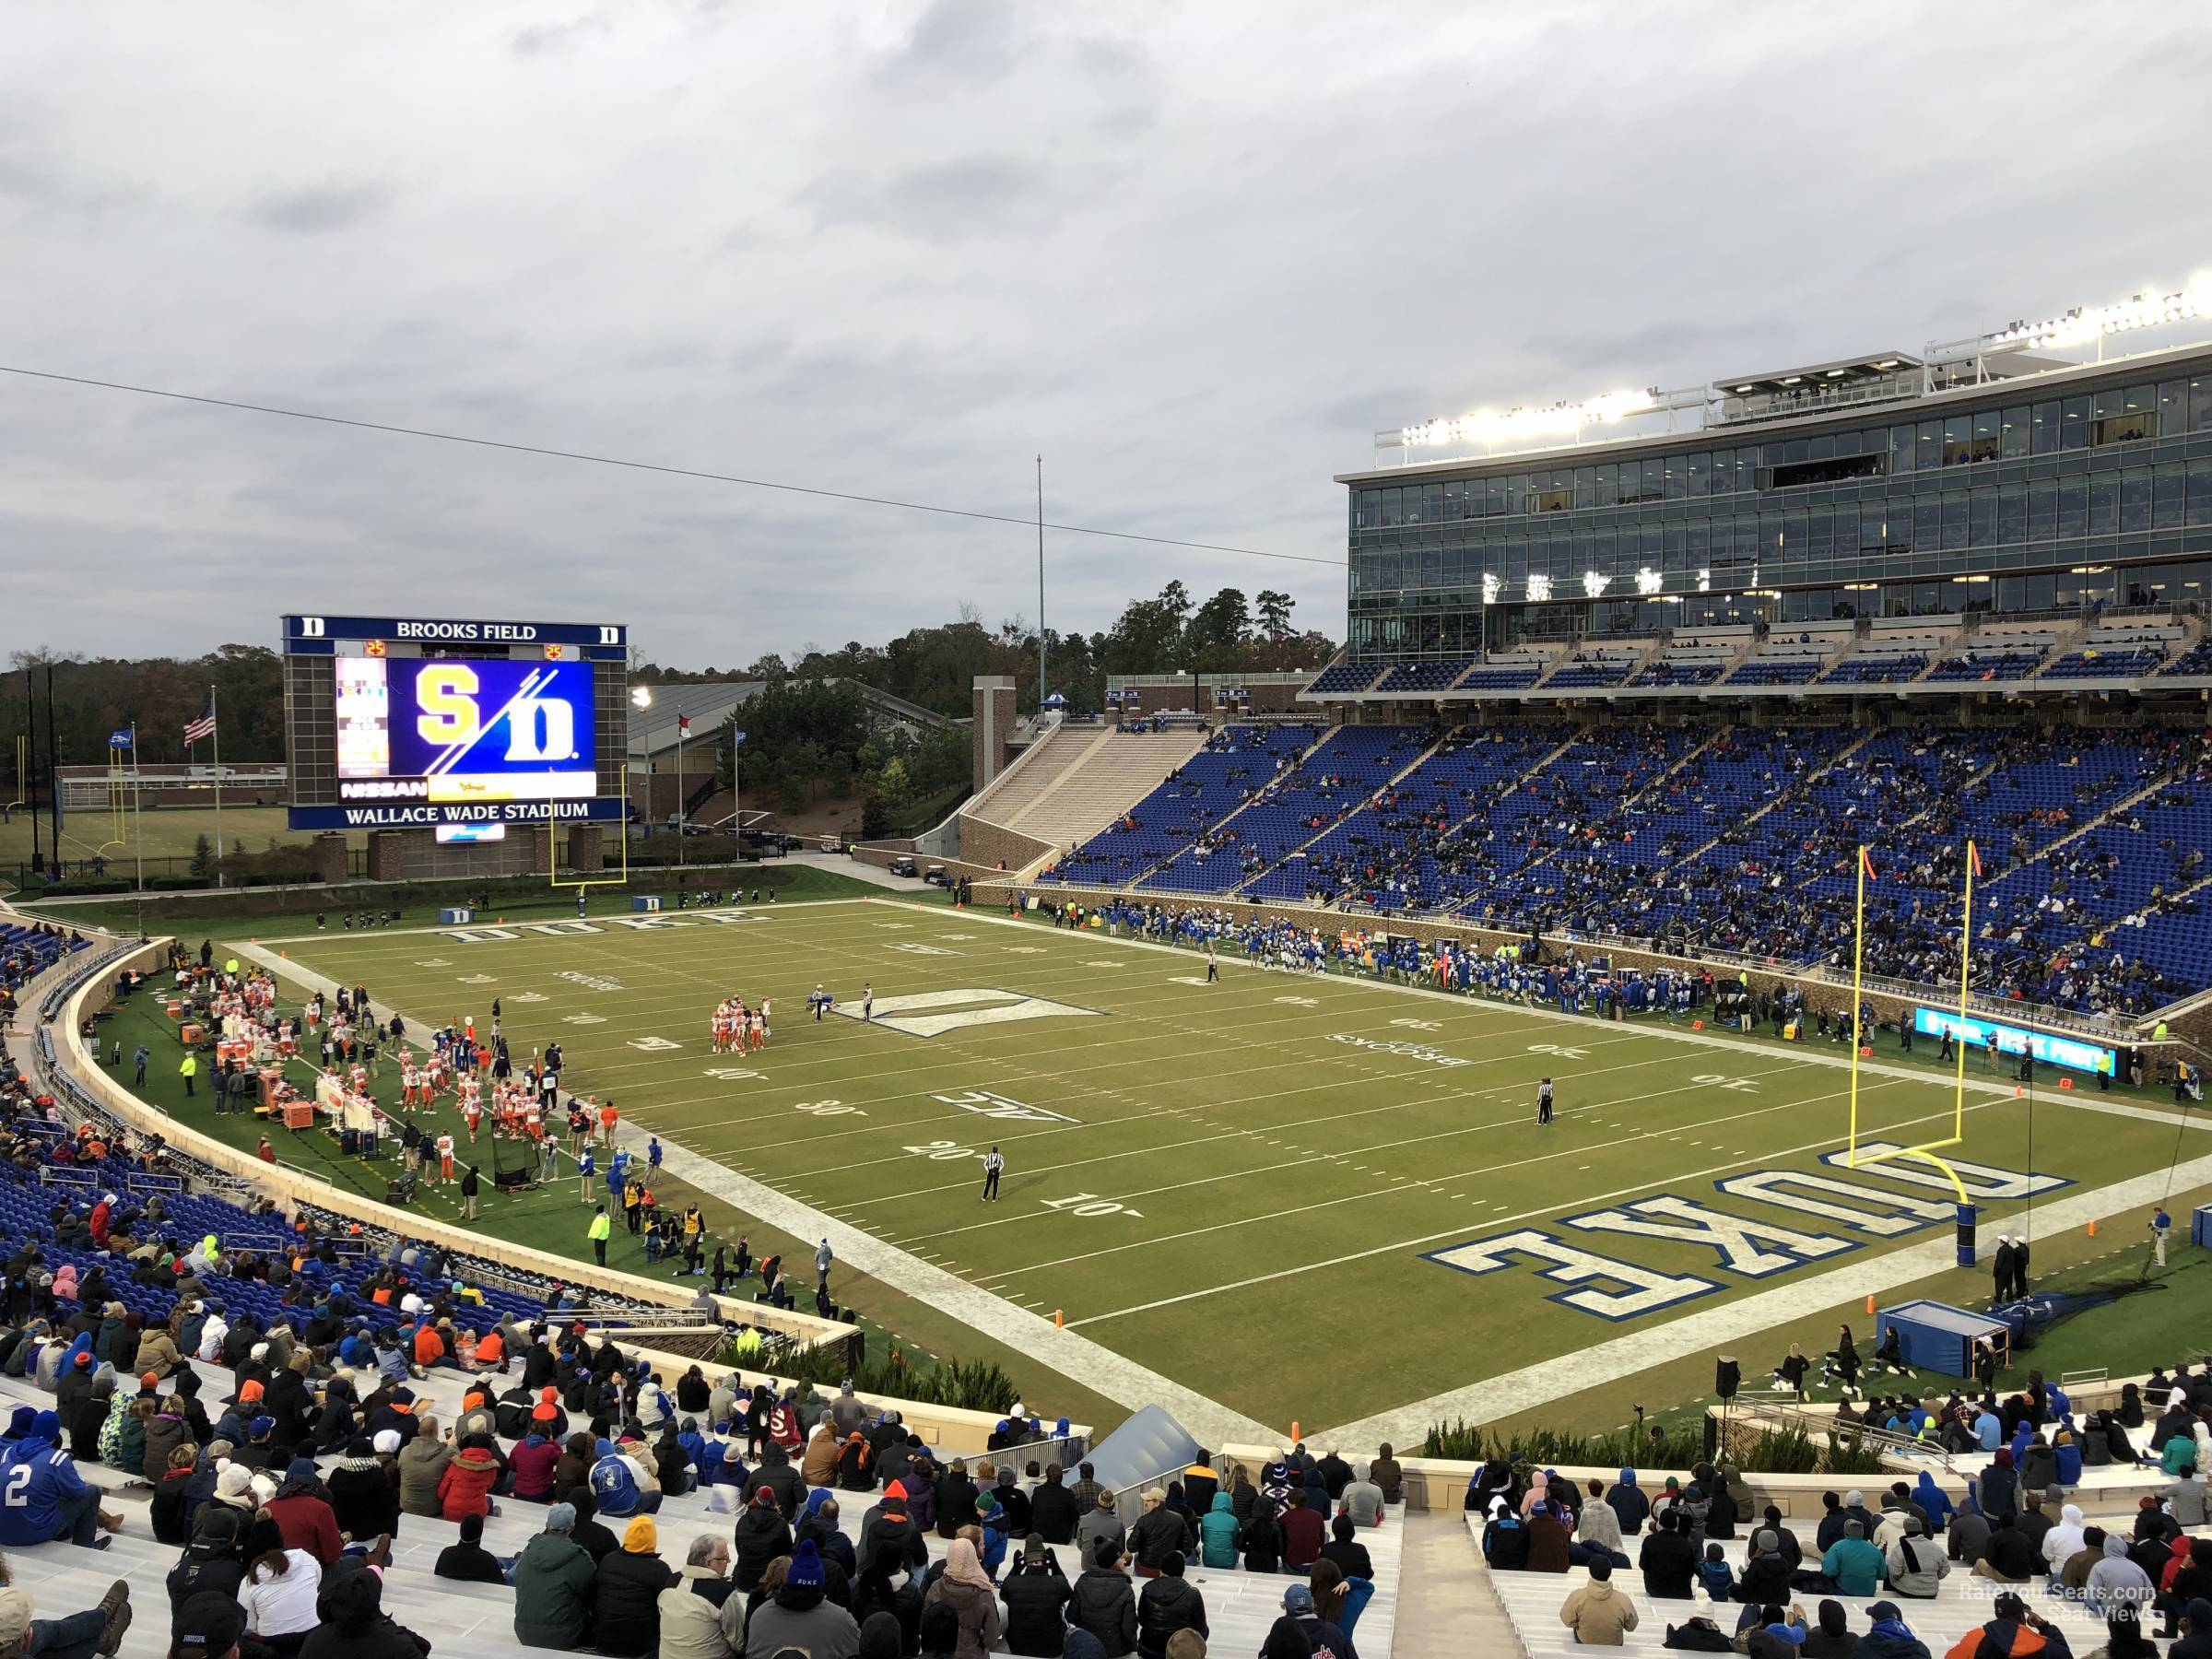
pixel 580 883
pixel 1927 1152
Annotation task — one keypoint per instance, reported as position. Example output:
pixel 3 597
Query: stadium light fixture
pixel 641 697
pixel 1488 427
pixel 1539 589
pixel 1649 580
pixel 1489 587
pixel 1704 582
pixel 1593 584
pixel 1860 587
pixel 2085 322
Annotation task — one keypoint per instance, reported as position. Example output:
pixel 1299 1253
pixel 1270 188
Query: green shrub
pixel 1775 1451
pixel 969 1386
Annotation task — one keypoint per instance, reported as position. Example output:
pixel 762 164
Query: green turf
pixel 1242 1200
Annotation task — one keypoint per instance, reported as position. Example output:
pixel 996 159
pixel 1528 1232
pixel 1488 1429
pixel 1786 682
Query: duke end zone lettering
pixel 1828 1211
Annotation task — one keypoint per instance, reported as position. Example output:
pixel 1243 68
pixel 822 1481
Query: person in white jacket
pixel 2063 1540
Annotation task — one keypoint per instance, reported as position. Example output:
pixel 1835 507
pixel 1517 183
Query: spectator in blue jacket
pixel 51 1501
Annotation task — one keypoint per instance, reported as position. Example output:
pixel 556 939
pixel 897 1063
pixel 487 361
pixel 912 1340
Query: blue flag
pixel 119 739
pixel 736 738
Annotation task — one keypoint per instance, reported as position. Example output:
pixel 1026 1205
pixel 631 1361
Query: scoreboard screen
pixel 397 723
pixel 447 730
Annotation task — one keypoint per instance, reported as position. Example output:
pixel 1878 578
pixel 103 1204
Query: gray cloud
pixel 540 40
pixel 943 201
pixel 318 209
pixel 1194 256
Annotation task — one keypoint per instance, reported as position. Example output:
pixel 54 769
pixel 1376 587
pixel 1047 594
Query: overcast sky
pixel 1194 253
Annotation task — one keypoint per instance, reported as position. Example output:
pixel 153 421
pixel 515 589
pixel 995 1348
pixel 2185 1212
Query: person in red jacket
pixel 534 1462
pixel 465 1486
pixel 1304 1533
pixel 430 1346
pixel 303 1515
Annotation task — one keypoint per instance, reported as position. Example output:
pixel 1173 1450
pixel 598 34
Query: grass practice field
pixel 1316 1199
pixel 170 832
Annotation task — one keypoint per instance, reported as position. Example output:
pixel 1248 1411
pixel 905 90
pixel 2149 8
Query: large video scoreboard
pixel 437 724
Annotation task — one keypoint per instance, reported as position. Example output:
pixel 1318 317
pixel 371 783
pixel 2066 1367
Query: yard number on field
pixel 1090 1204
pixel 986 1104
pixel 730 1074
pixel 1712 1080
pixel 942 1150
pixel 1430 1026
pixel 1561 1051
pixel 829 1109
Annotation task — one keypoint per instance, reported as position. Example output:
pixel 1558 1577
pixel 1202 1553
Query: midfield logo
pixel 933 1013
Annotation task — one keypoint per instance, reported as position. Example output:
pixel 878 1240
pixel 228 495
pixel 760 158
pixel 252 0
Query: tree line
pixel 801 735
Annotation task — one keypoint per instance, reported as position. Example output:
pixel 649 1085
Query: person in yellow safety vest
pixel 597 1232
pixel 2158 1032
pixel 188 1071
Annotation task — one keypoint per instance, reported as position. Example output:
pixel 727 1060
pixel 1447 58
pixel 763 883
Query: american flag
pixel 204 725
pixel 682 725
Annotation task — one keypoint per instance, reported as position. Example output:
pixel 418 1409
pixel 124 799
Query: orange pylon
pixel 1059 1319
pixel 2093 1227
pixel 1870 1304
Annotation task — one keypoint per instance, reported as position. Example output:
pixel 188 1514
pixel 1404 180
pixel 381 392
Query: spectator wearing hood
pixel 1630 1504
pixel 2009 1557
pixel 1218 1531
pixel 354 1623
pixel 2015 1633
pixel 1996 1491
pixel 761 1537
pixel 2116 1581
pixel 800 1616
pixel 465 1489
pixel 1036 1595
pixel 212 1563
pixel 364 1497
pixel 555 1582
pixel 303 1514
pixel 1505 1538
pixel 889 1541
pixel 965 1588
pixel 1598 1614
pixel 2063 1539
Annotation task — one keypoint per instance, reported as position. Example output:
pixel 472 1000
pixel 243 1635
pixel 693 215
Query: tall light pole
pixel 1041 587
pixel 641 699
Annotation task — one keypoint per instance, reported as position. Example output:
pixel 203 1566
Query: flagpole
pixel 1966 950
pixel 682 725
pixel 137 808
pixel 1858 955
pixel 217 736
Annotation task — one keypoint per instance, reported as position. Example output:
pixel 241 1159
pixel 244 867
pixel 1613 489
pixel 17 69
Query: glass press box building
pixel 1987 475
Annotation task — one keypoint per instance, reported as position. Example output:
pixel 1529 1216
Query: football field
pixel 1322 1199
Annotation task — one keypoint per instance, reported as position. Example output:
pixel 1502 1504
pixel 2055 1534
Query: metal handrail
pixel 1791 1416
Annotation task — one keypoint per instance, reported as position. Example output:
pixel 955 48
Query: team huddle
pixel 739 1030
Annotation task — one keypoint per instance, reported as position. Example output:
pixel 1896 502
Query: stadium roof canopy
pixel 1842 371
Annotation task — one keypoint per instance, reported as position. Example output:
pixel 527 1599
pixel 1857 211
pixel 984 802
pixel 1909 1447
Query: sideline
pixel 1073 1356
